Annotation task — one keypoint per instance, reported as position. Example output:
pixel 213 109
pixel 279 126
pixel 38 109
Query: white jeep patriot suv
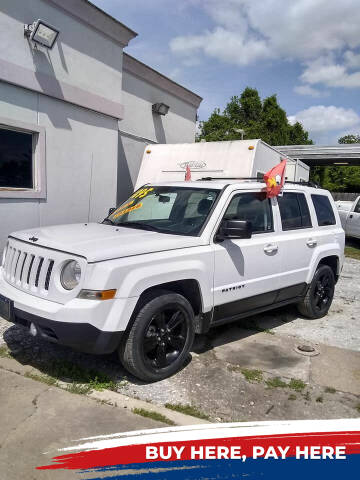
pixel 173 260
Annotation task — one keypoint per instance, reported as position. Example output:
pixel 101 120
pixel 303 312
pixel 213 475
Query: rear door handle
pixel 311 243
pixel 271 248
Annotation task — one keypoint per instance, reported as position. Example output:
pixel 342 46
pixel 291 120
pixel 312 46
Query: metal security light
pixel 241 131
pixel 160 108
pixel 41 33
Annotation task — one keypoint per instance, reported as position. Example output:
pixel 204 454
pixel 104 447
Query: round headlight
pixel 70 275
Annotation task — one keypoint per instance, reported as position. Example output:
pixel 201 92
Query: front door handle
pixel 311 243
pixel 271 248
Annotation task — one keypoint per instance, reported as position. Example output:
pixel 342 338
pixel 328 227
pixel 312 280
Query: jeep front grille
pixel 26 270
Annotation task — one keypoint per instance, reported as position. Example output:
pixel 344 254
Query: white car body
pixel 350 217
pixel 268 270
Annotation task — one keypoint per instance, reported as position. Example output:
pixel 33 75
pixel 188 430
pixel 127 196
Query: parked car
pixel 350 217
pixel 173 260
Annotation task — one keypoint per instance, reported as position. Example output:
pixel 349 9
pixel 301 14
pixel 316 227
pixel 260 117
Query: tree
pixel 349 139
pixel 259 119
pixel 338 178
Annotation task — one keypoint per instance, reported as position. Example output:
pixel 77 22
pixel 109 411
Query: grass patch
pixel 267 330
pixel 153 415
pixel 292 396
pixel 352 252
pixel 276 382
pixel 93 379
pixel 252 375
pixel 41 378
pixel 187 410
pixel 320 399
pixel 330 390
pixel 5 352
pixel 358 407
pixel 78 388
pixel 80 380
pixel 297 385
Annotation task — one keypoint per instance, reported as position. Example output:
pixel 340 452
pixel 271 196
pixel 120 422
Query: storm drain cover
pixel 307 350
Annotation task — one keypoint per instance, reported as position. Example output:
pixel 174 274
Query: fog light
pixel 33 330
pixel 97 294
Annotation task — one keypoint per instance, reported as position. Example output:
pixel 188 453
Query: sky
pixel 305 51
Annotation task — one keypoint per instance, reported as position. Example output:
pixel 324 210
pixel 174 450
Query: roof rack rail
pixel 307 184
pixel 258 179
pixel 254 179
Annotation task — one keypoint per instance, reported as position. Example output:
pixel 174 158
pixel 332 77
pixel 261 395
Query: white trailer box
pixel 239 158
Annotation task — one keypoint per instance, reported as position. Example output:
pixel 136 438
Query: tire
pixel 320 294
pixel 160 338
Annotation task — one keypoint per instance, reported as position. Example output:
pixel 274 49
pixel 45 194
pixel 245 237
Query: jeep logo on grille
pixel 33 239
pixel 192 165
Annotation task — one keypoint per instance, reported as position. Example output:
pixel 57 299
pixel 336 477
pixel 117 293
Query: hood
pixel 98 242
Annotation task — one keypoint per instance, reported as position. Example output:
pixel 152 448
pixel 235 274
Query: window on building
pixel 16 159
pixel 252 207
pixel 323 209
pixel 294 211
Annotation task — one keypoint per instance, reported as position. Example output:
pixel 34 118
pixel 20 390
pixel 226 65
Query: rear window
pixel 294 211
pixel 324 212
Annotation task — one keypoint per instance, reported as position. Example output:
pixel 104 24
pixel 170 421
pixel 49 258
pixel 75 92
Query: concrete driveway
pixel 249 370
pixel 37 419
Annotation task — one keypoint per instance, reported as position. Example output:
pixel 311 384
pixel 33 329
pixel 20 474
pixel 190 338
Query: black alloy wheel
pixel 165 337
pixel 160 338
pixel 320 294
pixel 323 291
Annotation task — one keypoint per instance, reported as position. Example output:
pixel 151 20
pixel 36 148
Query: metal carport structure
pixel 314 155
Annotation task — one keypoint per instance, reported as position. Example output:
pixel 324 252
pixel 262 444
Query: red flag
pixel 274 179
pixel 188 174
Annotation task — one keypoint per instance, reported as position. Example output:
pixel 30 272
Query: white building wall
pixel 178 126
pixel 81 54
pixel 75 93
pixel 81 167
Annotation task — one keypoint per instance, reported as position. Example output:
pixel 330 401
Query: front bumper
pixel 79 336
pixel 91 326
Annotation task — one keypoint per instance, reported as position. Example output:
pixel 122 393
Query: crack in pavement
pixel 34 402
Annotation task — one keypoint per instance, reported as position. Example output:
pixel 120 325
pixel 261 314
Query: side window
pixel 294 211
pixel 324 211
pixel 357 207
pixel 252 207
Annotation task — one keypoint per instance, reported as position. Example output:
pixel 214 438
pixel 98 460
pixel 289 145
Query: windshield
pixel 177 210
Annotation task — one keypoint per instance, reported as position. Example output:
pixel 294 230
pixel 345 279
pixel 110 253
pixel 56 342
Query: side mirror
pixel 234 229
pixel 111 210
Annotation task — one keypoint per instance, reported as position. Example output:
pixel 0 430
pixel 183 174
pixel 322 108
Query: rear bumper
pixel 79 336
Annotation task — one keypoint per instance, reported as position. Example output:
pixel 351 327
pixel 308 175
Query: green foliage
pixel 4 352
pixel 187 410
pixel 297 385
pixel 350 139
pixel 259 119
pixel 158 417
pixel 276 383
pixel 352 252
pixel 252 375
pixel 338 178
